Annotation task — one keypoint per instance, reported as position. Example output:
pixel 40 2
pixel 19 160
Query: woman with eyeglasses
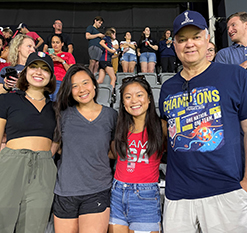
pixel 85 130
pixel 139 145
pixel 211 51
pixel 167 53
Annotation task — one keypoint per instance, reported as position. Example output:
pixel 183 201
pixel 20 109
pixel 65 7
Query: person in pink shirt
pixel 23 29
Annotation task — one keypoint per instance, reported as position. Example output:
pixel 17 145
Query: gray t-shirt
pixel 84 167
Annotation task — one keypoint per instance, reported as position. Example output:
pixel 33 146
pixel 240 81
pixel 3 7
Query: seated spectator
pixel 62 61
pixel 128 59
pixel 211 51
pixel 167 53
pixel 58 30
pixel 20 48
pixel 37 39
pixel 147 48
pixel 105 65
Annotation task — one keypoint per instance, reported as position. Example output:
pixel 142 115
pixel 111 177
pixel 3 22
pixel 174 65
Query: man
pixel 237 30
pixel 58 29
pixel 204 106
pixel 24 30
pixel 94 49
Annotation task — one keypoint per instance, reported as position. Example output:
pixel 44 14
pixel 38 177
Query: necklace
pixel 34 98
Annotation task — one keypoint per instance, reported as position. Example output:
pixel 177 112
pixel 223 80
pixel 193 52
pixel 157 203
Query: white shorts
pixel 225 213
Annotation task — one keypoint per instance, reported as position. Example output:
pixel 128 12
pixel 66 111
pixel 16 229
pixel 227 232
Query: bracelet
pixel 64 62
pixel 6 89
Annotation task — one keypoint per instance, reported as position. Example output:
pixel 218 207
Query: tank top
pixel 137 167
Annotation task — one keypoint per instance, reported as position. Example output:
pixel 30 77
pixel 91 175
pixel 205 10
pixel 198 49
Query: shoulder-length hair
pixel 164 34
pixel 64 95
pixel 23 84
pixel 125 122
pixel 14 46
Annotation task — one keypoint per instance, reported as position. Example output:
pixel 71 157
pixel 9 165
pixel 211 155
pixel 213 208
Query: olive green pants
pixel 27 180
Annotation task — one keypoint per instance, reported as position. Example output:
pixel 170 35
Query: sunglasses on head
pixel 133 78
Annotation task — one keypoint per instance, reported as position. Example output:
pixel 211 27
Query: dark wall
pixel 76 17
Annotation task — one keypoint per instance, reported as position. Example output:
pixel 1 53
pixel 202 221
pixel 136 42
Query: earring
pixel 94 87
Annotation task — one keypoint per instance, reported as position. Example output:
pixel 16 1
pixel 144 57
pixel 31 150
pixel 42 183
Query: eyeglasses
pixel 133 78
pixel 211 50
pixel 185 88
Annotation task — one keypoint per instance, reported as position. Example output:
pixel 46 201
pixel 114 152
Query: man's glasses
pixel 133 78
pixel 185 88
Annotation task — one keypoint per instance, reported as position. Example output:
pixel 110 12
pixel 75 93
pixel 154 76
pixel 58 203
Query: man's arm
pixel 70 48
pixel 41 41
pixel 45 48
pixel 244 64
pixel 243 182
pixel 89 36
pixel 220 57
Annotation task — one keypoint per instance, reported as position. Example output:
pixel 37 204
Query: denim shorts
pixel 129 57
pixel 136 206
pixel 148 57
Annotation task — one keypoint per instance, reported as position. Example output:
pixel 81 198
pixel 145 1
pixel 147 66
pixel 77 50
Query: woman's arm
pixel 164 130
pixel 154 47
pixel 59 59
pixel 2 128
pixel 54 148
pixel 102 43
pixel 112 153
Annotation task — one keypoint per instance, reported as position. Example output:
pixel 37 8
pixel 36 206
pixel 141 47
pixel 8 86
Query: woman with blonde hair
pixel 20 48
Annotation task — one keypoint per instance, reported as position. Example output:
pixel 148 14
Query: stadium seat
pixel 105 94
pixel 150 77
pixel 122 75
pixel 165 76
pixel 107 79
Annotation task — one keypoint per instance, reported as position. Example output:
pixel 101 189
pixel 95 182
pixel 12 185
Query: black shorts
pixel 73 206
pixel 104 64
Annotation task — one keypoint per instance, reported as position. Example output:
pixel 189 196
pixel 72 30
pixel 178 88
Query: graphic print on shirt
pixel 136 154
pixel 195 125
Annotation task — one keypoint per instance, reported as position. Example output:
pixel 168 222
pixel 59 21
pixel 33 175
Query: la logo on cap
pixel 186 20
pixel 41 54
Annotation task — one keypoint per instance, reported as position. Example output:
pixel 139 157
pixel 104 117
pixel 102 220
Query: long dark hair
pixel 64 95
pixel 125 122
pixel 143 37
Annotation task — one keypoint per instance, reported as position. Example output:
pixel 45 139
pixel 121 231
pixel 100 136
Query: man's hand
pixel 243 184
pixel 244 64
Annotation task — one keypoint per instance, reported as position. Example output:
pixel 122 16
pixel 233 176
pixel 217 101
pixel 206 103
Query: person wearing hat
pixel 23 29
pixel 205 108
pixel 27 169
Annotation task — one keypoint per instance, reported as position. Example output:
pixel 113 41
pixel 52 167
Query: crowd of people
pixel 48 106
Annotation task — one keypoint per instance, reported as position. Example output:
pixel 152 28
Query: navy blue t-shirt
pixel 92 30
pixel 205 144
pixel 106 55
